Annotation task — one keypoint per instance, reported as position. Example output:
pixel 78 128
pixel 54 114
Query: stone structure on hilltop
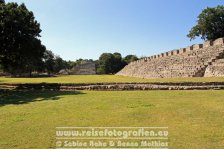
pixel 199 60
pixel 87 67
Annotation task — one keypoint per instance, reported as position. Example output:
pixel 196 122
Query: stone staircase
pixel 201 71
pixel 192 61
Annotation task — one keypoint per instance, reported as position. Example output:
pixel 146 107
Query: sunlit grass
pixel 103 79
pixel 195 118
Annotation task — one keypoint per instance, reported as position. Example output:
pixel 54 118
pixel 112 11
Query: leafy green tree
pixel 2 1
pixel 130 58
pixel 52 64
pixel 59 64
pixel 210 24
pixel 34 57
pixel 20 48
pixel 49 61
pixel 109 63
pixel 70 64
pixel 105 63
pixel 118 63
pixel 78 61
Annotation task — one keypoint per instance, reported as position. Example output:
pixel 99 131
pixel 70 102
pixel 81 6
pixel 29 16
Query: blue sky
pixel 86 28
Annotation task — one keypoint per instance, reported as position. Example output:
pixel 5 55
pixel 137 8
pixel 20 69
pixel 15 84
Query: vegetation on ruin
pixel 104 79
pixel 195 118
pixel 210 24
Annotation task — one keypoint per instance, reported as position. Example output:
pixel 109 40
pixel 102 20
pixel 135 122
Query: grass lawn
pixel 195 118
pixel 103 79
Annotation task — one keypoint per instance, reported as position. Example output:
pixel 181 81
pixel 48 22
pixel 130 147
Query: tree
pixel 52 64
pixel 34 58
pixel 2 1
pixel 105 63
pixel 70 64
pixel 210 24
pixel 59 64
pixel 49 61
pixel 78 61
pixel 109 63
pixel 118 63
pixel 20 49
pixel 130 58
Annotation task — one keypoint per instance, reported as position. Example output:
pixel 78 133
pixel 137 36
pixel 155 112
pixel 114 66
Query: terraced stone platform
pixel 194 61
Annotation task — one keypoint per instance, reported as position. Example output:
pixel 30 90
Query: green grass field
pixel 103 79
pixel 195 118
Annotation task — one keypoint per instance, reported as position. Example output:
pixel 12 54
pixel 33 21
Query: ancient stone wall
pixel 85 68
pixel 192 61
pixel 115 86
pixel 216 69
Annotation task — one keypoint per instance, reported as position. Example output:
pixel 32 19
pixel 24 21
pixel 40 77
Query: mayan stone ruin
pixel 199 60
pixel 87 67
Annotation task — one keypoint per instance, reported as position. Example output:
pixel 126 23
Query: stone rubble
pixel 116 86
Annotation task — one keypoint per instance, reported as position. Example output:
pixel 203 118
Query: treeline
pixel 108 63
pixel 21 50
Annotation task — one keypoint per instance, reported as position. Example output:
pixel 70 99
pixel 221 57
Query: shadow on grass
pixel 26 96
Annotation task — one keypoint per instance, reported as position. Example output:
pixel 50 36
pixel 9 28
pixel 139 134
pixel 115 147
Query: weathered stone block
pixel 189 48
pixel 145 59
pixel 176 52
pixel 170 53
pixel 216 69
pixel 182 50
pixel 219 41
pixel 85 68
pixel 208 44
pixel 197 46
